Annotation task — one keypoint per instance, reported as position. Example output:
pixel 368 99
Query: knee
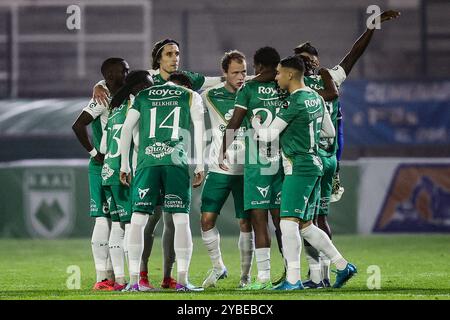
pixel 245 225
pixel 180 218
pixel 207 223
pixel 139 219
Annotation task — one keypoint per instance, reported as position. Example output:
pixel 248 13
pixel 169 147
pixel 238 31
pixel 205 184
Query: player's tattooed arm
pixel 330 91
pixel 79 127
pixel 363 41
pixel 234 124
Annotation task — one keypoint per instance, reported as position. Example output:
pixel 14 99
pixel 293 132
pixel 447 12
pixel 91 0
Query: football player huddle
pixel 275 143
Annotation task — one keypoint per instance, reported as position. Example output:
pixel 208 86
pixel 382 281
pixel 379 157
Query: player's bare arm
pixel 80 129
pixel 363 41
pixel 330 91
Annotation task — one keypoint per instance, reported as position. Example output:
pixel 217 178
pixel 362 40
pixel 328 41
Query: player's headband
pixel 165 43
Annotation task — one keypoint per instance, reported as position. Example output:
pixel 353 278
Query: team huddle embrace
pixel 274 144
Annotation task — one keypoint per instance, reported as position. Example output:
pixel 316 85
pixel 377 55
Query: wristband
pixel 93 152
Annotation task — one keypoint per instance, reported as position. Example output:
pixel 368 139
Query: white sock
pixel 320 240
pixel 109 268
pixel 211 239
pixel 136 244
pixel 246 247
pixel 116 251
pixel 168 244
pixel 125 242
pixel 312 256
pixel 292 247
pixel 263 264
pixel 149 236
pixel 325 266
pixel 100 249
pixel 183 246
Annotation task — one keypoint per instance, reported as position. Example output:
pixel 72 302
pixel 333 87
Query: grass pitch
pixel 411 267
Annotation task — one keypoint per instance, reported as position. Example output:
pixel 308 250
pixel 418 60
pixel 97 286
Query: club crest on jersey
pixel 107 172
pixel 105 208
pixel 158 150
pixel 278 198
pixel 263 191
pixel 142 192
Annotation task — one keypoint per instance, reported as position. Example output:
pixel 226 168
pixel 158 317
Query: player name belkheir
pixel 159 103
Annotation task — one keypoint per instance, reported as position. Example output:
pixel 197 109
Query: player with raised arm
pixel 114 71
pixel 339 74
pixel 219 183
pixel 301 125
pixel 163 114
pixel 117 195
pixel 259 97
pixel 331 148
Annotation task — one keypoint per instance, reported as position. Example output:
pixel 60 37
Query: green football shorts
pixel 98 206
pixel 262 191
pixel 326 184
pixel 216 189
pixel 119 203
pixel 300 195
pixel 149 182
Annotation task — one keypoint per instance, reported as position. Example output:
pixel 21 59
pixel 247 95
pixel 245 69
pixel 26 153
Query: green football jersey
pixel 163 125
pixel 220 106
pixel 197 79
pixel 327 146
pixel 262 100
pixel 111 164
pixel 299 140
pixel 100 115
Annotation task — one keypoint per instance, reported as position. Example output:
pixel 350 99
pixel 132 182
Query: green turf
pixel 412 267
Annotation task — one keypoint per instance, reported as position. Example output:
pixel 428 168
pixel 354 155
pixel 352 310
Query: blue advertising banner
pixel 400 112
pixel 418 200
